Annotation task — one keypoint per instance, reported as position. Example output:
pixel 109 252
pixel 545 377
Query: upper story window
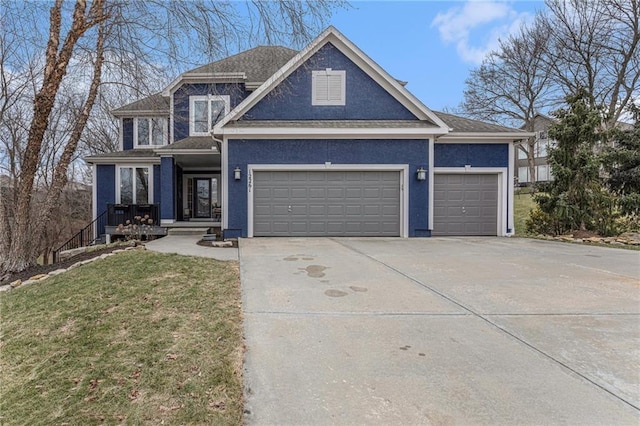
pixel 149 132
pixel 205 112
pixel 328 87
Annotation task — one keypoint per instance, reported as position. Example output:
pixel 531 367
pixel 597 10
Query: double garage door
pixel 465 204
pixel 326 203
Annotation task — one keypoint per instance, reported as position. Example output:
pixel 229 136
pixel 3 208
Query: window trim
pixel 314 90
pixel 165 128
pixel 149 167
pixel 192 99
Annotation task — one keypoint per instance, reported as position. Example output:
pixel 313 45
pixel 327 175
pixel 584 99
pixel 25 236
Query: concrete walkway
pixel 187 245
pixel 440 331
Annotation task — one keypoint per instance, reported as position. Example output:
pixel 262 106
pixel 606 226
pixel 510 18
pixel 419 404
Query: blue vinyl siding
pixel 167 190
pixel 105 188
pixel 127 134
pixel 243 152
pixel 235 91
pixel 365 99
pixel 474 155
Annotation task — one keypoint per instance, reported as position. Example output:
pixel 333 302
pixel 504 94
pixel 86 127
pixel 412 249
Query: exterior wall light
pixel 237 173
pixel 421 173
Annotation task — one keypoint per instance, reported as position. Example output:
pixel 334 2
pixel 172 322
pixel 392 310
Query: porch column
pixel 167 190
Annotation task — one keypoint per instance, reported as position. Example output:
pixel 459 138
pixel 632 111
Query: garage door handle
pixel 289 209
pixel 464 210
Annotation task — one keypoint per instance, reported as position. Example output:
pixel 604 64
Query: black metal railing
pixel 119 214
pixel 85 237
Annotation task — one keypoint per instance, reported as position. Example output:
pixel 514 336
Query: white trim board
pixel 503 188
pixel 477 138
pixel 94 197
pixel 402 168
pixel 329 132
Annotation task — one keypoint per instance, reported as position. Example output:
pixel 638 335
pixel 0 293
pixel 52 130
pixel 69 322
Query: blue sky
pixel 431 44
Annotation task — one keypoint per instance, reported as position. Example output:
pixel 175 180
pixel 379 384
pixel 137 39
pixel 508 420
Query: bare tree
pixel 512 84
pixel 594 45
pixel 116 42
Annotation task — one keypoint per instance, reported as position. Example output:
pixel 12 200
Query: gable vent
pixel 328 87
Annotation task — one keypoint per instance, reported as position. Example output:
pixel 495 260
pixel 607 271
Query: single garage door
pixel 326 203
pixel 465 204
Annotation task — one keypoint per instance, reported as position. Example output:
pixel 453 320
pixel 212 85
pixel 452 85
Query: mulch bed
pixel 45 269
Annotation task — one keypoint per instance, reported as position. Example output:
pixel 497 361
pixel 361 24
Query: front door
pixel 202 198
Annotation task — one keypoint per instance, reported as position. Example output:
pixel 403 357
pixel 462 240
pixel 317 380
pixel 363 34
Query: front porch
pixel 121 219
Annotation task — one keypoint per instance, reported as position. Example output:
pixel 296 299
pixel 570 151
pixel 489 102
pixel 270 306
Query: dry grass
pixel 137 338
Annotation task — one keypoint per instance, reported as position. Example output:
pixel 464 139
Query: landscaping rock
pixel 38 277
pixel 27 282
pixel 75 265
pixel 5 288
pixel 16 283
pixel 221 244
pixel 57 272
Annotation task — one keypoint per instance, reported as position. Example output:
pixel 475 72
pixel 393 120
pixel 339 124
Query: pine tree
pixel 575 199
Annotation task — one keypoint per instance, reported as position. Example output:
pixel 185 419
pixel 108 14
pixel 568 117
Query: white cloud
pixel 476 27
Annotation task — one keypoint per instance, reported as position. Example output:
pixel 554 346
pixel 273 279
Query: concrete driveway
pixel 440 331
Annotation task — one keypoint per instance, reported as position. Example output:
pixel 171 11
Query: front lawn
pixel 523 203
pixel 137 338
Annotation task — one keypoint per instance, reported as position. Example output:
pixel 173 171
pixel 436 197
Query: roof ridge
pixel 226 58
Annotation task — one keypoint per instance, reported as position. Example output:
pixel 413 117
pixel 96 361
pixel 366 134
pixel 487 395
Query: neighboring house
pixel 541 124
pixel 274 142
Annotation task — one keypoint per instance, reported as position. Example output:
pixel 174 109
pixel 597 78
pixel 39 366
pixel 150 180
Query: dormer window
pixel 149 132
pixel 328 87
pixel 205 112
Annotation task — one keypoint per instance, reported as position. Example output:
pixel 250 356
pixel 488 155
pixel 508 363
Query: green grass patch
pixel 137 338
pixel 523 203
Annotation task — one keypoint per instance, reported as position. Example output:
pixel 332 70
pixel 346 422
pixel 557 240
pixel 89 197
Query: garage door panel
pixel 353 192
pixel 335 193
pixel 317 210
pixel 465 204
pixel 353 203
pixel 353 210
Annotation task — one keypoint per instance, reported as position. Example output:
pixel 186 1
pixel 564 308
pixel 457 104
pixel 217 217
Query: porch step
pixel 187 231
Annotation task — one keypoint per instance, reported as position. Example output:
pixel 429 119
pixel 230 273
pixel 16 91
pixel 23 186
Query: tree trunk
pixel 24 244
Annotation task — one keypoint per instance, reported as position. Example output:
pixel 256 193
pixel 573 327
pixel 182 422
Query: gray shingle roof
pixel 341 124
pixel 192 142
pixel 258 63
pixel 130 153
pixel 467 125
pixel 157 103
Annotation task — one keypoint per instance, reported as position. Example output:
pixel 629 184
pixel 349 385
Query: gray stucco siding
pixel 413 153
pixel 235 91
pixel 474 155
pixel 365 98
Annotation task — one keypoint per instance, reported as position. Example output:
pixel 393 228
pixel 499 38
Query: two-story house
pixel 542 169
pixel 276 142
